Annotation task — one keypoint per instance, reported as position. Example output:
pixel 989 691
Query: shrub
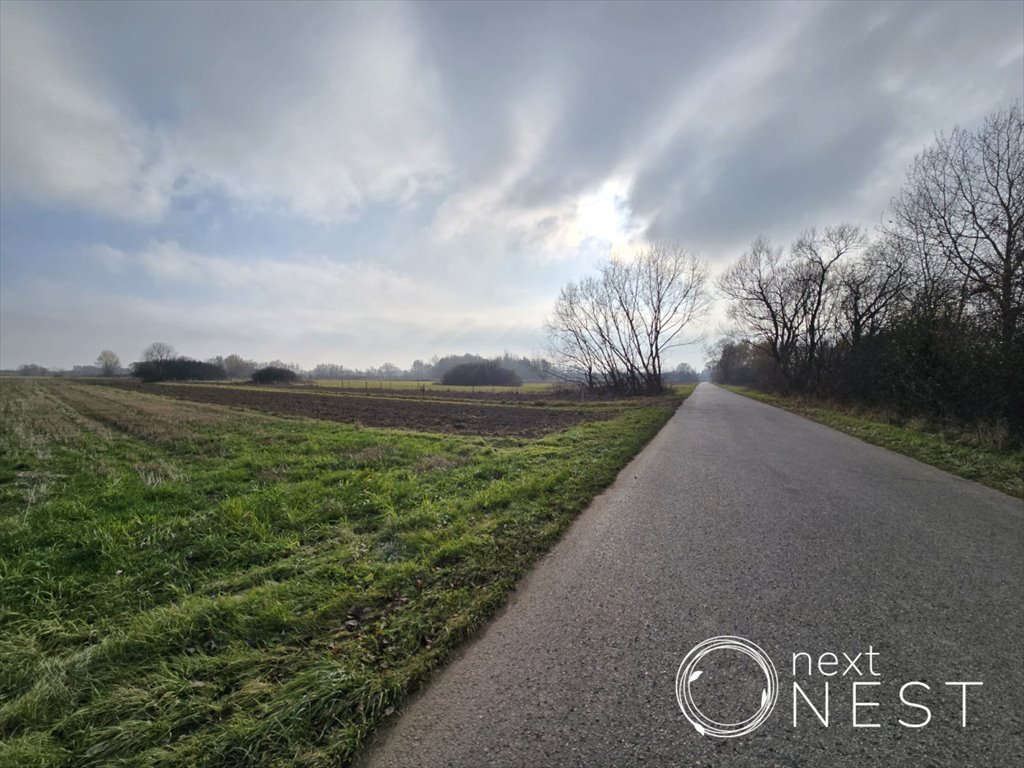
pixel 177 369
pixel 274 375
pixel 485 374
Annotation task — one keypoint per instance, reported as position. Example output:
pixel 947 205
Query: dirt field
pixel 438 392
pixel 424 414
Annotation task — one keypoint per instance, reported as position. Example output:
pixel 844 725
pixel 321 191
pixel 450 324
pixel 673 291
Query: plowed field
pixel 422 415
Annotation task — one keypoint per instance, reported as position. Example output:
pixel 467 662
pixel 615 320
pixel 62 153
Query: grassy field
pixel 968 455
pixel 192 584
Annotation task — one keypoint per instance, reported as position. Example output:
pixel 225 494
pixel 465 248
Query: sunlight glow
pixel 605 215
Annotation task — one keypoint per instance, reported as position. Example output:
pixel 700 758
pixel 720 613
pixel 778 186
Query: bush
pixel 486 374
pixel 31 369
pixel 274 375
pixel 178 369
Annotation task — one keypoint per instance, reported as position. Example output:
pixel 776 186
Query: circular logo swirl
pixel 688 672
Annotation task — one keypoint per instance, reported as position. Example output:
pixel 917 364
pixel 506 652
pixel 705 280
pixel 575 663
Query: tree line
pixel 526 368
pixel 161 362
pixel 924 318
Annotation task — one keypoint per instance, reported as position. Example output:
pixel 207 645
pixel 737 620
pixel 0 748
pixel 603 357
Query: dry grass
pixel 34 419
pixel 434 463
pixel 147 417
pixel 156 473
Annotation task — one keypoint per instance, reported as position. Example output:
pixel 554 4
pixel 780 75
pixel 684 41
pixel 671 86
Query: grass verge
pixel 1002 470
pixel 186 584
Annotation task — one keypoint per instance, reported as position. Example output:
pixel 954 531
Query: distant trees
pixel 237 367
pixel 274 375
pixel 157 352
pixel 792 304
pixel 612 330
pixel 108 362
pixel 527 369
pixel 32 369
pixel 177 369
pixel 486 373
pixel 739 362
pixel 927 319
pixel 684 373
pixel 329 371
pixel 389 371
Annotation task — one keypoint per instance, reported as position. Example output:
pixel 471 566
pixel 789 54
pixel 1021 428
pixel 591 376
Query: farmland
pixel 218 579
pixel 484 413
pixel 531 387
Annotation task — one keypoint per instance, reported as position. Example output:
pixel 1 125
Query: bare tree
pixel 816 261
pixel 766 303
pixel 789 305
pixel 736 361
pixel 871 291
pixel 575 339
pixel 108 362
pixel 964 201
pixel 158 352
pixel 613 329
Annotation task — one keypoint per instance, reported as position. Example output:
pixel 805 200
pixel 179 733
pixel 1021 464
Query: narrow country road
pixel 742 519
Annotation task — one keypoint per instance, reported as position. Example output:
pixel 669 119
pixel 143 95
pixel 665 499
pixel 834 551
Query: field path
pixel 743 519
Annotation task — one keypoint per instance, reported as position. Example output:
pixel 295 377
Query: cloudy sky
pixel 360 183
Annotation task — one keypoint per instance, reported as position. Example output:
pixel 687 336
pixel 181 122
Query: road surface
pixel 742 519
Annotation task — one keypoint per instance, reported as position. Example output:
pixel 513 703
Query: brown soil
pixel 374 389
pixel 373 410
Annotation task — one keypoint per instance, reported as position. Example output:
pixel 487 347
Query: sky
pixel 357 184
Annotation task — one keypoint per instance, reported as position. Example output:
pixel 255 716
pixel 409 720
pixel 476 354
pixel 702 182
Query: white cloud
pixel 311 295
pixel 318 126
pixel 311 283
pixel 489 213
pixel 321 126
pixel 63 140
pixel 484 205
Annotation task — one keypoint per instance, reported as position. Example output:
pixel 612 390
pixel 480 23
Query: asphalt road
pixel 742 519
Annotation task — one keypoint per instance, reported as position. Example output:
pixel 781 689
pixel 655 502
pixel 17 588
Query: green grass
pixel 956 452
pixel 184 584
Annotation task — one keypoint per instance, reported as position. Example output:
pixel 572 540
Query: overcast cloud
pixel 359 183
